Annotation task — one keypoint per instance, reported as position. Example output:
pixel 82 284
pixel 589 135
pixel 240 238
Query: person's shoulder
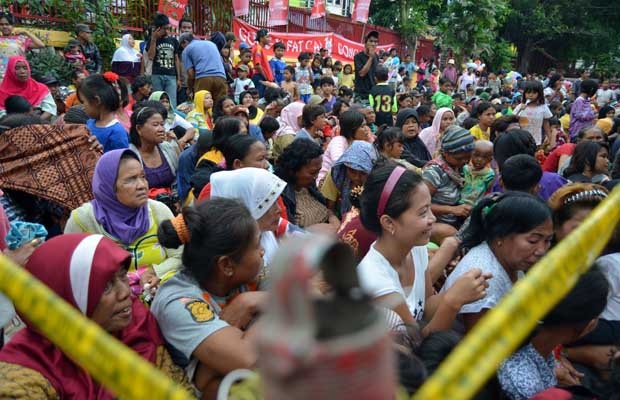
pixel 19 382
pixel 160 210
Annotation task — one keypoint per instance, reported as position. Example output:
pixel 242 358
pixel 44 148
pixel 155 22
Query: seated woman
pixel 249 99
pixel 352 127
pixel 299 166
pixel 241 151
pixel 444 177
pixel 589 163
pixel 159 155
pixel 571 205
pixel 32 367
pixel 183 130
pixel 530 369
pixel 396 206
pixel 123 212
pixel 507 234
pixel 259 190
pixel 200 116
pixel 205 310
pixel 432 136
pixel 290 124
pixel 223 107
pixel 414 151
pixel 18 81
pixel 350 171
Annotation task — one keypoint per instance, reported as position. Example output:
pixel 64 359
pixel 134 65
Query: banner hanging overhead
pixel 278 12
pixel 318 9
pixel 241 7
pixel 338 47
pixel 360 11
pixel 174 9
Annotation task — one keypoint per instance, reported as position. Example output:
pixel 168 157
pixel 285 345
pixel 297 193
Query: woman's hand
pixel 567 374
pixel 241 311
pixel 149 276
pixel 21 255
pixel 470 287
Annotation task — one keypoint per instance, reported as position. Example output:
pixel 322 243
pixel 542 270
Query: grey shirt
pixel 185 318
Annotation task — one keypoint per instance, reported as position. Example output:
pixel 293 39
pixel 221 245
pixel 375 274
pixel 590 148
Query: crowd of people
pixel 161 191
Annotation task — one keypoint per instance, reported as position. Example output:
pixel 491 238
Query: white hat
pixel 451 61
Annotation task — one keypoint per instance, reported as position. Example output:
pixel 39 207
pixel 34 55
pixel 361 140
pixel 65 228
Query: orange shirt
pixel 259 57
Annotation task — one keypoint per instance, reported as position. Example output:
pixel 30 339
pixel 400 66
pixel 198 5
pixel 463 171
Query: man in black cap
pixel 365 67
pixel 94 63
pixel 262 70
pixel 163 50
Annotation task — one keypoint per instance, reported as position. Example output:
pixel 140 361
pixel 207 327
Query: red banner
pixel 318 9
pixel 360 11
pixel 278 12
pixel 241 7
pixel 174 9
pixel 337 46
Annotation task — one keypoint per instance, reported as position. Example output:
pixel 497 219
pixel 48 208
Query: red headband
pixel 389 188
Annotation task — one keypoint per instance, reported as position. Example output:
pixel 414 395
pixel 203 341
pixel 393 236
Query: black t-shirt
pixel 165 51
pixel 363 84
pixel 383 100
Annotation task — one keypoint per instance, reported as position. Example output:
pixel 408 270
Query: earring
pixel 499 243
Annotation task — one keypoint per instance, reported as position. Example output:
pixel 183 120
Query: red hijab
pixel 32 90
pixel 77 267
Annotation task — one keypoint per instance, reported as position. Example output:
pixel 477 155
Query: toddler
pixel 479 176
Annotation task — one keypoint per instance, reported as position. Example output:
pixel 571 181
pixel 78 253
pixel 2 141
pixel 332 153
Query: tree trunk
pixel 410 40
pixel 524 57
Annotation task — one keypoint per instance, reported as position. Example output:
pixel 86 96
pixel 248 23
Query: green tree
pixel 472 26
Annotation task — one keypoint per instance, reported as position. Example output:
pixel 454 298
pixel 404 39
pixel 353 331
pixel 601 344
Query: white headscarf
pixel 126 53
pixel 258 189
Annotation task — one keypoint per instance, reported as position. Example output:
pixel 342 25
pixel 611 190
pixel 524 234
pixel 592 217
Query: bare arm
pixel 442 257
pixel 35 43
pixel 153 43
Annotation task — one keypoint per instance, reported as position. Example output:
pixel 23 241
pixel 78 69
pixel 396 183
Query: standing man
pixel 94 64
pixel 163 49
pixel 585 74
pixel 262 70
pixel 365 67
pixel 186 25
pixel 205 70
pixel 450 72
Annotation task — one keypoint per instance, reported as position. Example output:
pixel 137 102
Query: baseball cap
pixel 316 100
pixel 451 61
pixel 79 28
pixel 243 45
pixel 243 67
pixel 231 36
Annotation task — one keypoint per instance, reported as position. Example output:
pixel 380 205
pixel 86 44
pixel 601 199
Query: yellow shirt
pixel 479 134
pixel 565 121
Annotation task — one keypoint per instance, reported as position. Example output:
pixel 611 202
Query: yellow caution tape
pixel 504 328
pixel 106 359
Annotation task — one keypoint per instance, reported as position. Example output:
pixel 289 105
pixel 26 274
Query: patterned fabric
pixel 309 210
pixel 51 162
pixel 526 373
pixel 477 183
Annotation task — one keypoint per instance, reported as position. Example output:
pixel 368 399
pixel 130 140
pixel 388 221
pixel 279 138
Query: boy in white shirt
pixel 242 82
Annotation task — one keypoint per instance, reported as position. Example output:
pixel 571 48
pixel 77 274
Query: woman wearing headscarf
pixel 414 149
pixel 289 126
pixel 200 116
pixel 444 177
pixel 258 190
pixel 122 212
pixel 126 60
pixel 18 81
pixel 173 121
pixel 33 367
pixel 431 136
pixel 350 171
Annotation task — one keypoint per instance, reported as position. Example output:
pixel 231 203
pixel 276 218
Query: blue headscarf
pixel 360 156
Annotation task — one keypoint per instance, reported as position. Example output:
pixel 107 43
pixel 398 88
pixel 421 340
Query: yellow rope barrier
pixel 115 366
pixel 504 328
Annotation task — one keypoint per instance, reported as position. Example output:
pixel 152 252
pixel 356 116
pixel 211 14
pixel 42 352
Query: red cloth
pixel 32 90
pixel 353 233
pixel 552 162
pixel 52 263
pixel 259 57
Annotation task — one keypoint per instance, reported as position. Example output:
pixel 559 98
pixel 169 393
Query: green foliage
pixel 48 62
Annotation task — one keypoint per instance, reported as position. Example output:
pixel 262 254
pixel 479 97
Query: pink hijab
pixel 288 119
pixel 431 135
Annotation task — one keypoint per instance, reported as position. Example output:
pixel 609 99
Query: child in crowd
pixel 347 78
pixel 485 114
pixel 304 77
pixel 242 82
pixel 390 144
pixel 533 113
pixel 382 99
pixel 269 126
pixel 74 56
pixel 245 58
pixel 521 173
pixel 443 97
pixel 288 84
pixel 100 95
pixel 479 176
pixel 276 63
pixel 345 94
pixel 581 112
pixel 327 87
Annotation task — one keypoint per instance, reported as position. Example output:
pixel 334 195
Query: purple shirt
pixel 549 183
pixel 581 115
pixel 450 73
